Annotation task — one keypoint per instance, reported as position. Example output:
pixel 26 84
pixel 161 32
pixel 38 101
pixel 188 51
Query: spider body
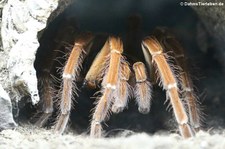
pixel 118 76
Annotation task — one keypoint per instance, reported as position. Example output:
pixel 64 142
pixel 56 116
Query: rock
pixel 214 21
pixel 6 117
pixel 21 22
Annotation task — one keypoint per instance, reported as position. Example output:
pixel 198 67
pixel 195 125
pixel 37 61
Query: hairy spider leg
pixel 123 91
pixel 70 73
pixel 109 86
pixel 187 85
pixel 46 95
pixel 96 71
pixel 169 83
pixel 143 88
pixel 191 99
pixel 45 80
pixel 188 94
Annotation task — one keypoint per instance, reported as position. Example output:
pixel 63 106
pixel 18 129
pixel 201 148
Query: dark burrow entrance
pixel 120 18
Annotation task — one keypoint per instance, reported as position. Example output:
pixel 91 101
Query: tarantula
pixel 119 75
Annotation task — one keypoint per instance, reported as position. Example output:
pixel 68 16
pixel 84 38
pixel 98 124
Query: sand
pixel 28 136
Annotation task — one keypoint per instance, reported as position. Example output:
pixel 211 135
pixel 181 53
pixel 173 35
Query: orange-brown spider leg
pixel 96 71
pixel 187 85
pixel 70 73
pixel 188 94
pixel 46 88
pixel 123 91
pixel 45 80
pixel 142 89
pixel 47 99
pixel 109 85
pixel 191 99
pixel 169 83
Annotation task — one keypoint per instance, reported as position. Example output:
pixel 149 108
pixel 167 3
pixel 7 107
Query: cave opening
pixel 114 17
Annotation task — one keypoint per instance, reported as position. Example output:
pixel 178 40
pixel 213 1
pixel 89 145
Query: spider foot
pixel 96 129
pixel 61 123
pixel 186 131
pixel 46 104
pixel 42 120
pixel 124 90
pixel 117 108
pixel 142 91
pixel 101 112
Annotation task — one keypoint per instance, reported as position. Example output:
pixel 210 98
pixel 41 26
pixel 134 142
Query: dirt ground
pixel 28 136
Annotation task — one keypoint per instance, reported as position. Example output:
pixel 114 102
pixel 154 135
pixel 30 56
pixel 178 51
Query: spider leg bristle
pixel 167 100
pixel 169 105
pixel 55 79
pixel 59 60
pixel 142 91
pixel 60 51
